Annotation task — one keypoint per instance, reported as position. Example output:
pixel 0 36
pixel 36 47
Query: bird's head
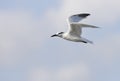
pixel 60 34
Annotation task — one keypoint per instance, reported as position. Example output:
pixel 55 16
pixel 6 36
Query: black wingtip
pixel 83 15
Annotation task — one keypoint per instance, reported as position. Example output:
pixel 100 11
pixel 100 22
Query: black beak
pixel 54 35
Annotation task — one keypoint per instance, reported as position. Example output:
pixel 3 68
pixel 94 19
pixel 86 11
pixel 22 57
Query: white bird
pixel 75 29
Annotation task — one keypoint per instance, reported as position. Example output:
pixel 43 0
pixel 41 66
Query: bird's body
pixel 75 29
pixel 72 37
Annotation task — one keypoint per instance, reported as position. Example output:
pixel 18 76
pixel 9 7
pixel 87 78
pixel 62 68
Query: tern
pixel 75 29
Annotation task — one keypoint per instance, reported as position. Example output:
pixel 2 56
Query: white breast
pixel 70 37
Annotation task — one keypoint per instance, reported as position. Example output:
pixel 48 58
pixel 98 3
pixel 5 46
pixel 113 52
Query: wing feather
pixel 77 17
pixel 75 30
pixel 75 27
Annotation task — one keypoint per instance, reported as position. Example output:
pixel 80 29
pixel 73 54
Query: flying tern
pixel 75 29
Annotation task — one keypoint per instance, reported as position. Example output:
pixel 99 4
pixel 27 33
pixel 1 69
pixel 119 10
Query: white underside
pixel 76 38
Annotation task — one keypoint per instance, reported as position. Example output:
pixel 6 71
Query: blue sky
pixel 27 53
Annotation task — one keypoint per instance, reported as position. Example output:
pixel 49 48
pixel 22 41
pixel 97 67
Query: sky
pixel 28 53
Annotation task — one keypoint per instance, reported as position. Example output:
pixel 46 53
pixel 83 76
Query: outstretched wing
pixel 75 30
pixel 77 17
pixel 75 27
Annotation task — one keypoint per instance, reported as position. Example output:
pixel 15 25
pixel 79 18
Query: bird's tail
pixel 86 40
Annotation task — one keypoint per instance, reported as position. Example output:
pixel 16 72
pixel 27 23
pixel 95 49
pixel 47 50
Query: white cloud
pixel 39 74
pixel 74 72
pixel 18 31
pixel 107 48
pixel 63 73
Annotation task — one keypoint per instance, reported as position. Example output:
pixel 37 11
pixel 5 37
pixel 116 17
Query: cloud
pixel 19 33
pixel 74 72
pixel 106 49
pixel 39 74
pixel 63 73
